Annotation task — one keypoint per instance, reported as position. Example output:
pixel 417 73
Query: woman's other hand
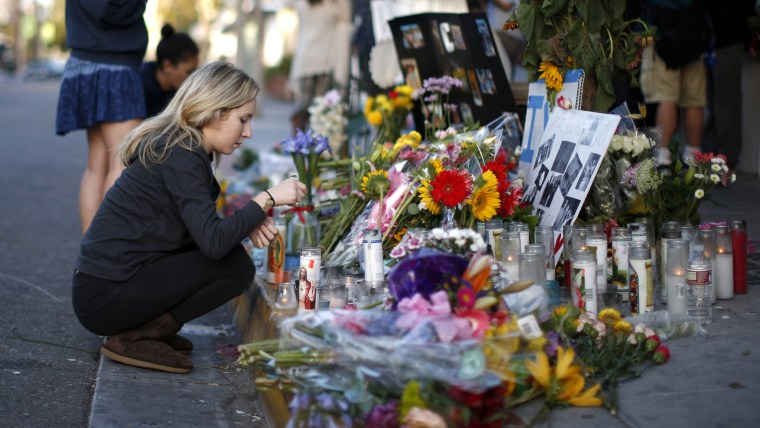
pixel 264 233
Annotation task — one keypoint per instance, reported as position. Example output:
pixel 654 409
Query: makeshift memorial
pixel 450 348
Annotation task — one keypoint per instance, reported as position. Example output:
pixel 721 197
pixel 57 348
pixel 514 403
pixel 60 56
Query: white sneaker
pixel 664 158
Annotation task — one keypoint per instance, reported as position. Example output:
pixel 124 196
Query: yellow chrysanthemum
pixel 375 118
pixel 551 74
pixel 609 316
pixel 411 139
pixel 485 198
pixel 375 183
pixel 622 326
pixel 426 201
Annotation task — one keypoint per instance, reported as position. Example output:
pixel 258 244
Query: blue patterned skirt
pixel 92 93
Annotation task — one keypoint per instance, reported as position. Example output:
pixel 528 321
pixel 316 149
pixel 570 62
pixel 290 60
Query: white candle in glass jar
pixel 513 267
pixel 676 298
pixel 724 275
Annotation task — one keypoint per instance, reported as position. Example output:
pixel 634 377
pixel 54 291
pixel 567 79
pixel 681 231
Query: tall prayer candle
pixel 724 263
pixel 739 246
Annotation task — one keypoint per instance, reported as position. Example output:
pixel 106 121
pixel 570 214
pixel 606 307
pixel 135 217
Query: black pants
pixel 187 285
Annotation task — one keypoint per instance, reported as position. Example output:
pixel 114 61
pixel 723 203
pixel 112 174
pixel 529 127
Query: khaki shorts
pixel 686 86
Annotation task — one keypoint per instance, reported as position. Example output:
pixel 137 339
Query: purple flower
pixel 424 272
pixel 383 416
pixel 321 145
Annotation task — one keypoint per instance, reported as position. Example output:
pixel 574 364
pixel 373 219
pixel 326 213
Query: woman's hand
pixel 288 192
pixel 264 233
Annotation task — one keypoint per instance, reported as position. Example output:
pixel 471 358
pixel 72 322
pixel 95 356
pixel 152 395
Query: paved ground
pixel 50 374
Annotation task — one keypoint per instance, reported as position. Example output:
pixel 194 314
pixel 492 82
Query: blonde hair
pixel 207 94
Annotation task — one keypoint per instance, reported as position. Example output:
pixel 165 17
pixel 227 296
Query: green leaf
pixel 689 175
pixel 592 13
pixel 552 7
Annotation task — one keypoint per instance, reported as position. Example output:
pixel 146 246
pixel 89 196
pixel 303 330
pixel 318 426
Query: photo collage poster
pixel 459 45
pixel 537 112
pixel 564 166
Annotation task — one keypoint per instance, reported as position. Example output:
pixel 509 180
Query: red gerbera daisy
pixel 451 188
pixel 510 202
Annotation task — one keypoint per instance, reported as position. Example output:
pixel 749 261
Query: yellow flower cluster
pixel 485 197
pixel 380 108
pixel 411 139
pixel 551 74
pixel 564 382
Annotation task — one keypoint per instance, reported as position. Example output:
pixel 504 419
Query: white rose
pixel 627 146
pixel 617 143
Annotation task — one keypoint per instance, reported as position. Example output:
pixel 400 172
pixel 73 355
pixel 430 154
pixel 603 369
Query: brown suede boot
pixel 146 346
pixel 180 343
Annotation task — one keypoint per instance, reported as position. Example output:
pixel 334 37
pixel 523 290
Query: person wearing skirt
pixel 101 90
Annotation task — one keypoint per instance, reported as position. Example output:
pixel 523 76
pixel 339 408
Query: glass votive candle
pixel 510 251
pixel 675 278
pixel 689 233
pixel 597 243
pixel 532 268
pixel 583 289
pixel 567 235
pixel 522 229
pixel 670 230
pixel 544 235
pixel 706 238
pixel 285 297
pixel 739 246
pixel 723 270
pixel 578 241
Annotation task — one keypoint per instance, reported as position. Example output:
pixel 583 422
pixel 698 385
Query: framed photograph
pixel 485 33
pixel 485 78
pixel 413 38
pixel 411 72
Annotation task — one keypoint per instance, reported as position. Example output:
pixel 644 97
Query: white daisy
pixel 714 178
pixel 699 193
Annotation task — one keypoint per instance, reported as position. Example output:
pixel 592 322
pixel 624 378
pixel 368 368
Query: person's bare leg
pixel 667 121
pixel 113 135
pixel 91 187
pixel 695 123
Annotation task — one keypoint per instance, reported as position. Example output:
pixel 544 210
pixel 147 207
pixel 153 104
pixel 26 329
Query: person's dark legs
pixel 151 307
pixel 726 104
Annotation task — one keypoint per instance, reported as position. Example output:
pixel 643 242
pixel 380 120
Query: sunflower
pixel 551 74
pixel 426 200
pixel 622 326
pixel 485 197
pixel 451 187
pixel 375 183
pixel 609 316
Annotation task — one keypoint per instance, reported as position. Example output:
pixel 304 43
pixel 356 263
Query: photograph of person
pixel 588 172
pixel 551 188
pixel 456 34
pixel 544 150
pixel 541 176
pixel 563 156
pixel 485 34
pixel 485 77
pixel 413 38
pixel 566 212
pixel 307 293
pixel 437 42
pixel 570 174
pixel 411 73
pixel 476 97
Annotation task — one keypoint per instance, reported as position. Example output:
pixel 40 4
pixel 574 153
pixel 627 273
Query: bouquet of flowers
pixel 676 194
pixel 389 111
pixel 435 106
pixel 327 117
pixel 306 150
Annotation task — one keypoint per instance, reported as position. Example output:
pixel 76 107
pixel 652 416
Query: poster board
pixel 564 166
pixel 458 45
pixel 538 109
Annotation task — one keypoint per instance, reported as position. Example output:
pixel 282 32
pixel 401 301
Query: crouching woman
pixel 157 255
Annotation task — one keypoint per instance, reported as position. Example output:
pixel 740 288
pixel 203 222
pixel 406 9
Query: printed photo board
pixel 564 165
pixel 460 45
